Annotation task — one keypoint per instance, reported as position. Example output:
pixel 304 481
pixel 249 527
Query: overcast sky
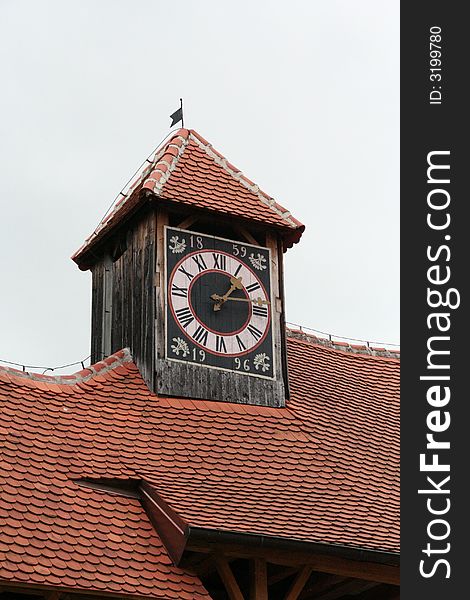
pixel 303 97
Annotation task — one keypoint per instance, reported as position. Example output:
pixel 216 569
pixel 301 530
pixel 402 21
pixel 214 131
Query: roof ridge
pixel 238 175
pixel 167 161
pixel 99 368
pixel 153 176
pixel 140 176
pixel 343 346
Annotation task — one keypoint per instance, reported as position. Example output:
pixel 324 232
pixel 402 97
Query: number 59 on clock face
pixel 218 303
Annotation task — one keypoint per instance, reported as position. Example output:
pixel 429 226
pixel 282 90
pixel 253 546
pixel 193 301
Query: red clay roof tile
pixel 187 170
pixel 323 469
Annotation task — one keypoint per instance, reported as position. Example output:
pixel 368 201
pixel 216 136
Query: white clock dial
pixel 219 303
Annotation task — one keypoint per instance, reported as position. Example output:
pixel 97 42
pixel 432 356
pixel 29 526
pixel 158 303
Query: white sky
pixel 303 97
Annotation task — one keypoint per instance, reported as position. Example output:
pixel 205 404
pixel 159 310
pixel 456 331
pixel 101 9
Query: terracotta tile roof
pixel 188 170
pixel 55 532
pixel 323 469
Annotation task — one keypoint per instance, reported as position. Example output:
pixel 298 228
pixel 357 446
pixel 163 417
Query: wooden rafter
pixel 380 573
pixel 299 583
pixel 246 234
pixel 188 222
pixel 228 579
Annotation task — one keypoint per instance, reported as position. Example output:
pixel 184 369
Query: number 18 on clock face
pixel 218 303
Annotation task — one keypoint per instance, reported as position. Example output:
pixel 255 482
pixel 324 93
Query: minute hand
pixel 259 301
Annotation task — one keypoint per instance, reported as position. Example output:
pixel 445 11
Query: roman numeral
pixel 238 270
pixel 220 261
pixel 185 316
pixel 182 292
pixel 200 335
pixel 241 345
pixel 201 265
pixel 260 311
pixel 255 332
pixel 220 344
pixel 188 275
pixel 252 287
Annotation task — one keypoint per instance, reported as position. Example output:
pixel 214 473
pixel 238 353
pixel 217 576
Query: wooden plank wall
pixel 97 299
pixel 187 380
pixel 133 299
pixel 272 242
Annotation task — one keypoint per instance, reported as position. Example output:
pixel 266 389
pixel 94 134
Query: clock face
pixel 218 295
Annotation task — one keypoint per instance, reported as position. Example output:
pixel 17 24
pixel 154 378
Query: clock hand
pixel 258 301
pixel 235 284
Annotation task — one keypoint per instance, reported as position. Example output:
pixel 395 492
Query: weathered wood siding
pixel 186 380
pixel 132 299
pixel 97 300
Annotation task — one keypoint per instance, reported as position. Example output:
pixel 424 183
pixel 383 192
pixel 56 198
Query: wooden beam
pixel 277 311
pixel 259 579
pixel 246 234
pixel 228 579
pixel 161 221
pixel 298 583
pixel 188 222
pixel 323 563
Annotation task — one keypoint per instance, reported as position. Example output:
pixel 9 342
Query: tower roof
pixel 187 170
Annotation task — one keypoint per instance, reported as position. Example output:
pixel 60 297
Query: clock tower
pixel 188 273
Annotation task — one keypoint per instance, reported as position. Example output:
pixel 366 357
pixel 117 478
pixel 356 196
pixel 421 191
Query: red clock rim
pixel 170 281
pixel 250 311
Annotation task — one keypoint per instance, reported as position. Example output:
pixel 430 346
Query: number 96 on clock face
pixel 218 303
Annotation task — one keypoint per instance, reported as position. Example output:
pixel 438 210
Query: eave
pixel 181 538
pixel 91 250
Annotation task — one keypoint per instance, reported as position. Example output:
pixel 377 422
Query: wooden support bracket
pixel 259 579
pixel 299 583
pixel 188 222
pixel 228 579
pixel 246 235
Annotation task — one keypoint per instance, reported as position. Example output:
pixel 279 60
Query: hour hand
pixel 219 301
pixel 235 284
